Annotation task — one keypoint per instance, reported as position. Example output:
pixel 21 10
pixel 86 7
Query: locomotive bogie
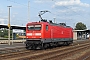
pixel 33 44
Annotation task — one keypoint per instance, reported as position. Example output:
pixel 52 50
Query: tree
pixel 80 26
pixel 4 33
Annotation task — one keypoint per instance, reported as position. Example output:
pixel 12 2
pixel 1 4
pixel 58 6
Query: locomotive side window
pixel 46 27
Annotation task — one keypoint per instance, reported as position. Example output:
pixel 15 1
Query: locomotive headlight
pixel 38 34
pixel 29 34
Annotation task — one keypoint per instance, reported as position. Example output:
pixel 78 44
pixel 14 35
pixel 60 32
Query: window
pixel 46 27
pixel 31 27
pixel 34 27
pixel 37 27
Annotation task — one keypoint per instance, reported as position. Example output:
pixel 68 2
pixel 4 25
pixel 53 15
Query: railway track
pixel 19 49
pixel 86 56
pixel 11 50
pixel 50 55
pixel 71 54
pixel 44 54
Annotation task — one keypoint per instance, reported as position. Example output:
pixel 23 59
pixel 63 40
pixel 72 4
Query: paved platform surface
pixel 14 45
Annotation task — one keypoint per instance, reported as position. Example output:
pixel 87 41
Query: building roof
pixel 81 30
pixel 13 26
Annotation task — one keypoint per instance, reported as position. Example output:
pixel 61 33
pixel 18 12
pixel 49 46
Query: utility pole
pixel 54 20
pixel 28 11
pixel 9 25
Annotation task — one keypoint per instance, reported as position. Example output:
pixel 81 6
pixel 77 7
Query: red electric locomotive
pixel 43 34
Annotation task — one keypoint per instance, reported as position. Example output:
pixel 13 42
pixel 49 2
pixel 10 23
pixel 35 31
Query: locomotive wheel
pixel 46 46
pixel 39 47
pixel 27 46
pixel 66 43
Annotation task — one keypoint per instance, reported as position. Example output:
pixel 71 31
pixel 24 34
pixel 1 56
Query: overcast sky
pixel 67 11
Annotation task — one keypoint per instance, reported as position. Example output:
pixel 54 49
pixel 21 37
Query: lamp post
pixel 28 11
pixel 9 25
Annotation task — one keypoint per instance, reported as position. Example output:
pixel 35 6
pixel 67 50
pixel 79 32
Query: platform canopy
pixel 13 26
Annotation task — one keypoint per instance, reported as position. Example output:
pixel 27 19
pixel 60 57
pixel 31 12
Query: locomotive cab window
pixel 37 27
pixel 34 27
pixel 46 27
pixel 31 27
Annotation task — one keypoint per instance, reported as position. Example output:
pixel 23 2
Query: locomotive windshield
pixel 34 27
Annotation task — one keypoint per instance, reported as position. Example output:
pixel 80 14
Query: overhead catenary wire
pixel 48 4
pixel 27 6
pixel 69 8
pixel 22 4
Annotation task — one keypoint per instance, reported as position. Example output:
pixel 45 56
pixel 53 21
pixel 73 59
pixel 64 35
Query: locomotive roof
pixel 54 24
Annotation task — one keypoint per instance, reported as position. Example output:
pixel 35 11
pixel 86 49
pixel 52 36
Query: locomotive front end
pixel 33 31
pixel 33 35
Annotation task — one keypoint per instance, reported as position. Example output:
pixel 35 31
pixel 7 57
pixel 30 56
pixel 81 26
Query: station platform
pixel 14 45
pixel 15 41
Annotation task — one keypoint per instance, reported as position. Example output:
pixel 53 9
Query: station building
pixel 81 34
